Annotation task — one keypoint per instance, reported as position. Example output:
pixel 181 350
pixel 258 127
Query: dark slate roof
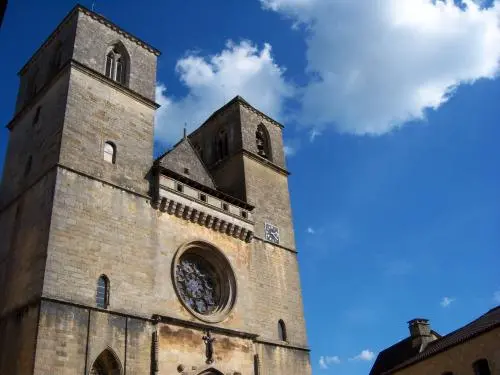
pixel 393 356
pixel 182 156
pixel 402 354
pixel 484 323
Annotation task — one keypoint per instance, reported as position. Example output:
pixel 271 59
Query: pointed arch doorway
pixel 106 364
pixel 211 371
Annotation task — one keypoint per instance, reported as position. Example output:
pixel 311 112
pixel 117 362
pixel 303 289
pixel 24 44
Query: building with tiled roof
pixel 471 349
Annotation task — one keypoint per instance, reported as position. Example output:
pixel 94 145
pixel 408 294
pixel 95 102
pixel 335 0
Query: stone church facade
pixel 113 263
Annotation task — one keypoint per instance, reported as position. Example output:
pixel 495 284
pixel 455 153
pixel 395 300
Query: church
pixel 113 263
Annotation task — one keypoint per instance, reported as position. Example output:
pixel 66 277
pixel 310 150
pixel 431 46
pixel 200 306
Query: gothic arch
pixel 211 371
pixel 106 363
pixel 117 63
pixel 263 142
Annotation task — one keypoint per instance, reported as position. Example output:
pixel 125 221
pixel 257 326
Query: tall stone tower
pixel 113 263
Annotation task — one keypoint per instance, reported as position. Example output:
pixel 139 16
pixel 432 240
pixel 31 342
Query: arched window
pixel 110 152
pixel 106 364
pixel 102 292
pixel 117 64
pixel 222 144
pixel 262 142
pixel 481 367
pixel 282 330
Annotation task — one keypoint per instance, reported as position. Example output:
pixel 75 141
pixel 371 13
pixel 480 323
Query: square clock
pixel 271 233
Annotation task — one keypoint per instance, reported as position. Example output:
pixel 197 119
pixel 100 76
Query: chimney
pixel 420 332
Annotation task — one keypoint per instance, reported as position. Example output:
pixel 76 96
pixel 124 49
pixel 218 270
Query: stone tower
pixel 114 263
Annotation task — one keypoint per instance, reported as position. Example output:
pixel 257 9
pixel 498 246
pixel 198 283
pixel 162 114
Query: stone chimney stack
pixel 420 332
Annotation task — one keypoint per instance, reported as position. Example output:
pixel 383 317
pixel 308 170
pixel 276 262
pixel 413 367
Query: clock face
pixel 272 233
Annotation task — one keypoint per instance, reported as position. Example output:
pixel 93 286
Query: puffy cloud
pixel 239 69
pixel 310 230
pixel 496 296
pixel 365 355
pixel 326 361
pixel 446 301
pixel 375 65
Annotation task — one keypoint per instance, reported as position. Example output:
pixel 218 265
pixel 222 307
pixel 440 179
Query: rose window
pixel 204 281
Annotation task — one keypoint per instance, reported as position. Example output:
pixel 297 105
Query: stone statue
pixel 209 347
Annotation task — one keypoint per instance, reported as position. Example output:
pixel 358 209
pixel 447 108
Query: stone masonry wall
pixel 93 40
pixel 277 294
pixel 41 66
pixel 98 229
pixel 459 359
pixel 39 140
pixel 180 346
pixel 17 341
pixel 249 123
pixel 68 345
pixel 267 190
pixel 97 113
pixel 25 226
pixel 278 360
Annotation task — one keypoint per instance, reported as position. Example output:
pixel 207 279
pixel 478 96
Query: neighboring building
pixel 112 263
pixel 473 349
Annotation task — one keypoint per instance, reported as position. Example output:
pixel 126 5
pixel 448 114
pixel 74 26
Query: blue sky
pixel 391 113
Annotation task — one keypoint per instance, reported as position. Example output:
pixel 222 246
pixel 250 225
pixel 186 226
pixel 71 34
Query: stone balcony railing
pixel 188 203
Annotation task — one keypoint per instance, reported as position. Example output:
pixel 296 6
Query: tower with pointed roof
pixel 113 263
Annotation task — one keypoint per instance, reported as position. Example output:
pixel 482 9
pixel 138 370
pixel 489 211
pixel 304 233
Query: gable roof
pixel 402 354
pixel 393 356
pixel 484 323
pixel 182 157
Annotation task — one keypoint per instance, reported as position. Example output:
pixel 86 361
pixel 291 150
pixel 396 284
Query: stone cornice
pixel 174 203
pixel 282 344
pixel 97 17
pixel 266 162
pixel 125 90
pixel 117 29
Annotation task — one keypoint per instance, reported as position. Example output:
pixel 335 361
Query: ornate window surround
pixel 227 288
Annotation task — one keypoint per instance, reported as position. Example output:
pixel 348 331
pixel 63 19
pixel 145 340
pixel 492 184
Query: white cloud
pixel 365 355
pixel 239 69
pixel 289 150
pixel 310 230
pixel 496 296
pixel 378 64
pixel 313 134
pixel 326 361
pixel 446 301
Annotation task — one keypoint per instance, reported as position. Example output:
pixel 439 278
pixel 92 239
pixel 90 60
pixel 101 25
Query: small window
pixel 180 188
pixel 110 152
pixel 37 116
pixel 27 168
pixel 203 197
pixel 225 206
pixel 186 170
pixel 481 367
pixel 244 214
pixel 102 292
pixel 282 330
